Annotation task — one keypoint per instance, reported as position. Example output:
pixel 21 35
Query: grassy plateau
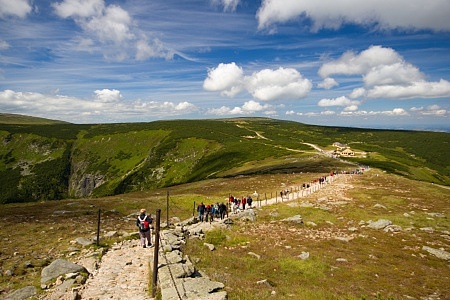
pixel 45 171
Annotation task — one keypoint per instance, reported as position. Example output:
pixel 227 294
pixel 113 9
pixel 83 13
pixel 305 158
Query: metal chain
pixel 171 275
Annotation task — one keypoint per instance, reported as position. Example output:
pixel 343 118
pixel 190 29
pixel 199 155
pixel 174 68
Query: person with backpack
pixel 144 222
pixel 201 208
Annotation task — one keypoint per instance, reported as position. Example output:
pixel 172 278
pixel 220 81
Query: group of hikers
pixel 209 212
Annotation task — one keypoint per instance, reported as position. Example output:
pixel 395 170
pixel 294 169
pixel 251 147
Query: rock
pixel 59 267
pixel 23 293
pixel 379 206
pixel 248 215
pixel 254 254
pixel 195 288
pixel 427 229
pixel 304 255
pixel 84 241
pixel 392 228
pixel 210 246
pixel 265 282
pixel 341 260
pixel 380 224
pixel 110 234
pixel 295 219
pixel 228 221
pixel 437 215
pixel 312 224
pixel 439 253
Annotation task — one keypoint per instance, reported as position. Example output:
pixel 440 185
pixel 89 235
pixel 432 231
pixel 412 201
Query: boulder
pixel 23 293
pixel 380 224
pixel 295 219
pixel 439 253
pixel 59 267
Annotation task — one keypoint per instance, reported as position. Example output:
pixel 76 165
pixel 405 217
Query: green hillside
pixel 21 119
pixel 61 160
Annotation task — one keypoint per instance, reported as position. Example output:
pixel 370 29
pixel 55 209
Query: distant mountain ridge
pixel 22 119
pixel 48 161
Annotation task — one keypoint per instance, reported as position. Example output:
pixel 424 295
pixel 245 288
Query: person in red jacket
pixel 244 201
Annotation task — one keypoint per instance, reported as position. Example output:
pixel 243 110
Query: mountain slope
pixel 56 161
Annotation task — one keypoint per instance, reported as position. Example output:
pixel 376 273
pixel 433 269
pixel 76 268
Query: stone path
pixel 124 272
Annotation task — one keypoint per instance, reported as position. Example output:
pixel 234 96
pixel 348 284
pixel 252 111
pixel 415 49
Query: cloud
pixel 282 83
pixel 79 8
pixel 226 78
pixel 264 85
pixel 113 29
pixel 351 63
pixel 385 74
pixel 328 83
pixel 396 112
pixel 384 14
pixel 106 106
pixel 107 96
pixel 247 108
pixel 421 89
pixel 350 105
pixel 228 5
pixel 432 110
pixel 14 8
pixel 3 45
pixel 357 93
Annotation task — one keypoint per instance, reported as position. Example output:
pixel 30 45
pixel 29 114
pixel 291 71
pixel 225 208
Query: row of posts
pixel 304 192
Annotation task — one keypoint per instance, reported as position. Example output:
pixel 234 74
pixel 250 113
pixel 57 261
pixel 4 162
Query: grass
pixel 373 264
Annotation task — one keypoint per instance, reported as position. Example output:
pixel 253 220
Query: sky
pixel 370 64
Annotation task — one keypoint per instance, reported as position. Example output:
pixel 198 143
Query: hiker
pixel 208 213
pixel 249 201
pixel 201 211
pixel 222 210
pixel 145 232
pixel 243 202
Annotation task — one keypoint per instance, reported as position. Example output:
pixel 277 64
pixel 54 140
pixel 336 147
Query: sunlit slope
pixel 68 160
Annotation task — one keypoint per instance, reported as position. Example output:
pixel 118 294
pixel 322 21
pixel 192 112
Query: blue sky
pixel 372 64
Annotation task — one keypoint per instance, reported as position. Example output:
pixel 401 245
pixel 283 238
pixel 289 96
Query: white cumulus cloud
pixel 340 101
pixel 14 8
pixel 283 83
pixel 264 85
pixel 226 78
pixel 106 106
pixel 327 83
pixel 384 14
pixel 113 29
pixel 106 96
pixel 247 108
pixel 385 74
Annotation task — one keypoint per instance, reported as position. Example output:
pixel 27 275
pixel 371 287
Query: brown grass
pixel 377 263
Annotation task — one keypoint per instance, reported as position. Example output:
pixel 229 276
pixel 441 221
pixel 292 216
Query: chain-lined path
pixel 124 271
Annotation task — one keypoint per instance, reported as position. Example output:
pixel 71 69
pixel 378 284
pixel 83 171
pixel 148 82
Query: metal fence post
pixel 155 255
pixel 98 228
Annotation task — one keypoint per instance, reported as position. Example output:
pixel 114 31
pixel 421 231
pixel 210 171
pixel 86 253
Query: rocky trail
pixel 125 270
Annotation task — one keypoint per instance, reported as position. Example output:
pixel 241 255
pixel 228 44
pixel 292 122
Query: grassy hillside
pixel 348 260
pixel 56 161
pixel 21 119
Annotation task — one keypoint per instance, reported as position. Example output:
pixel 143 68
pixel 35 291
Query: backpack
pixel 144 224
